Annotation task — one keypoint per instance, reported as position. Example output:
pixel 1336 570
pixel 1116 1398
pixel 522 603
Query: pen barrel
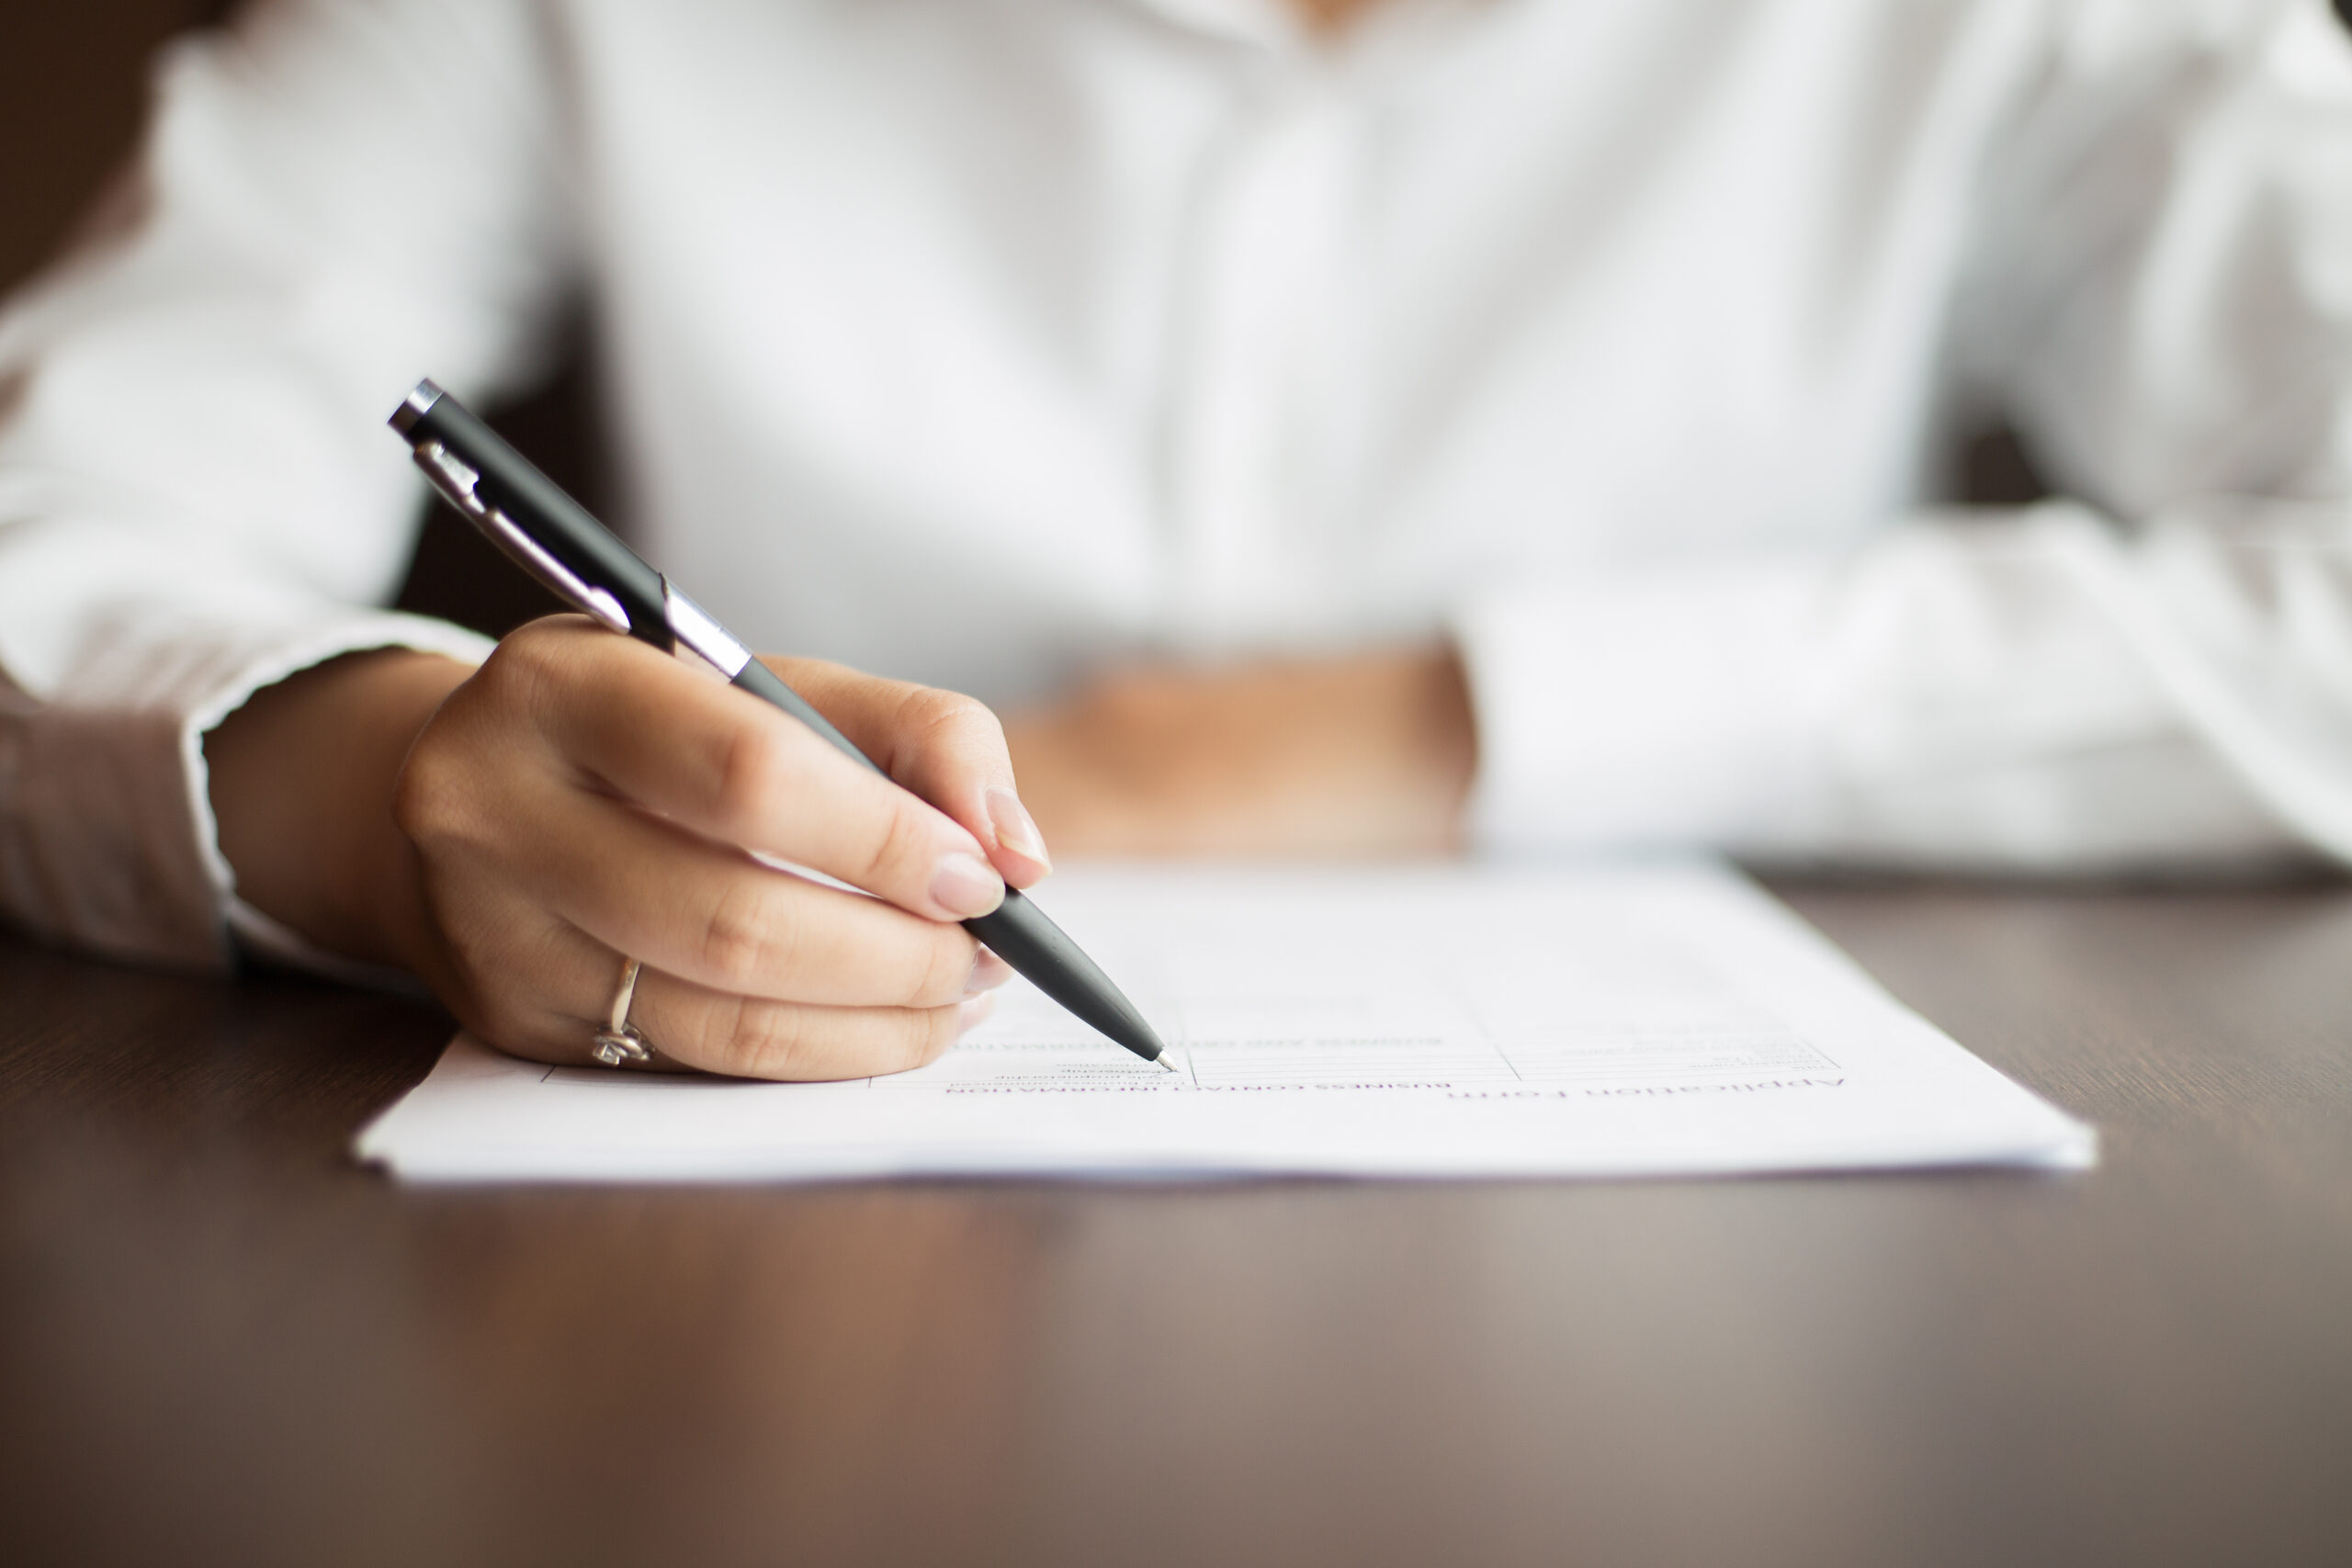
pixel 511 483
pixel 1041 952
pixel 766 684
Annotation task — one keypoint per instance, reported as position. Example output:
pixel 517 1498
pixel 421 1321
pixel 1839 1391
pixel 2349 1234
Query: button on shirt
pixel 981 342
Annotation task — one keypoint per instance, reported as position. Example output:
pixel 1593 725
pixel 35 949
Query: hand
pixel 509 833
pixel 1365 756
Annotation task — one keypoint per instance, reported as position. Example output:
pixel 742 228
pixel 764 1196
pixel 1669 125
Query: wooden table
pixel 222 1342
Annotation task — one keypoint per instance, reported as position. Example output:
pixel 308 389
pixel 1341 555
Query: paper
pixel 1443 1021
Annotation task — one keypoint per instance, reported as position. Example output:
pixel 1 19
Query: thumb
pixel 944 746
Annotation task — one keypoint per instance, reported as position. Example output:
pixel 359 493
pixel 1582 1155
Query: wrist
pixel 302 783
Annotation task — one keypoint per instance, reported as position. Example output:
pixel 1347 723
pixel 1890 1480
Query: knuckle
pixel 752 771
pixel 540 671
pixel 524 661
pixel 430 794
pixel 904 841
pixel 764 1039
pixel 934 717
pixel 435 794
pixel 746 939
pixel 933 1031
pixel 946 968
pixel 418 792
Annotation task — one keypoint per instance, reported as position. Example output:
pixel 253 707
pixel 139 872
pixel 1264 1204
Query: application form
pixel 1458 1021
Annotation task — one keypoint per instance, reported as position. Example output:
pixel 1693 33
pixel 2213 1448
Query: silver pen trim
pixel 456 481
pixel 697 632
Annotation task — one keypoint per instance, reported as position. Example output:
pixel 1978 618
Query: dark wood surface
pixel 222 1342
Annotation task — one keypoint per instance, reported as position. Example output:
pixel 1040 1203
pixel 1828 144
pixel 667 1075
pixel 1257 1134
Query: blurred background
pixel 72 85
pixel 72 93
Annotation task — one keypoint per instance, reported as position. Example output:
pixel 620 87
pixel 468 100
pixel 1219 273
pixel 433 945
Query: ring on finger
pixel 620 1043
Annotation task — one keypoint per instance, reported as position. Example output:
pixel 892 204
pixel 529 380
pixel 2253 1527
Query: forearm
pixel 301 783
pixel 150 576
pixel 1366 755
pixel 2041 692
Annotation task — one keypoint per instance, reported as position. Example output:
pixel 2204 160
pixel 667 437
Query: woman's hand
pixel 508 834
pixel 1371 755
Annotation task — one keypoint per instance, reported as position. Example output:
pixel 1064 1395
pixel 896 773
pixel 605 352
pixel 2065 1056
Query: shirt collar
pixel 1393 28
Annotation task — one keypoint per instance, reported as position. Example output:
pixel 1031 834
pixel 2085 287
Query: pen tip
pixel 1165 1063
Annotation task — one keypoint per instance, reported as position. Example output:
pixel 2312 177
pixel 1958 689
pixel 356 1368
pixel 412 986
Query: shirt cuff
pixel 107 840
pixel 1664 707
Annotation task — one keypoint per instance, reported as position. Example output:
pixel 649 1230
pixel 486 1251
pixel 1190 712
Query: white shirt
pixel 981 342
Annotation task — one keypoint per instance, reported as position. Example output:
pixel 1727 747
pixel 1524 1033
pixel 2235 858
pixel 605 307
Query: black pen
pixel 550 535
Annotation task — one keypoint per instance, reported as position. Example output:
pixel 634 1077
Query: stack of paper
pixel 1442 1021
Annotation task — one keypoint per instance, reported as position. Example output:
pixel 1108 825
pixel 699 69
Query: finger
pixel 947 746
pixel 730 766
pixel 555 988
pixel 793 1041
pixel 711 915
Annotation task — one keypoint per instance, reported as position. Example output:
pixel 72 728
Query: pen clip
pixel 457 483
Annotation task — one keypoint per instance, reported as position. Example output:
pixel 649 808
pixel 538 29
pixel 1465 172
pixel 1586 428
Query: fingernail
pixel 966 885
pixel 1015 829
pixel 974 1012
pixel 988 972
